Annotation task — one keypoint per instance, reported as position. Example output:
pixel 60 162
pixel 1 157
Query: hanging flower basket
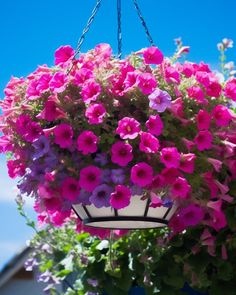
pixel 122 142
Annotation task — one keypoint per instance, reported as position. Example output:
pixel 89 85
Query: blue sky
pixel 30 31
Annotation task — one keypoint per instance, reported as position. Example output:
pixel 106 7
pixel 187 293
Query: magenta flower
pixel 148 143
pixel 70 189
pixel 213 89
pixel 159 100
pixel 89 178
pixel 95 113
pixel 203 140
pixel 191 215
pixel 128 128
pixel 180 188
pixel 172 75
pixel 221 115
pixel 82 75
pixel 63 54
pixel 101 196
pixel 203 120
pixel 230 89
pixel 170 157
pixel 87 142
pixel 120 198
pixel 187 163
pixel 43 82
pixel 58 82
pixel 153 55
pixel 51 112
pixel 146 82
pixel 121 153
pixel 197 93
pixel 142 174
pixel 90 91
pixel 32 132
pixel 63 135
pixel 155 125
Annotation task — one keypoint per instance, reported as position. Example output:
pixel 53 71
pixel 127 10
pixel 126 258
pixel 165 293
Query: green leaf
pixel 63 273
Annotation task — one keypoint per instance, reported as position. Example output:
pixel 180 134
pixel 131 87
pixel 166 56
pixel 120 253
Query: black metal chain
pixel 87 27
pixel 119 29
pixel 149 37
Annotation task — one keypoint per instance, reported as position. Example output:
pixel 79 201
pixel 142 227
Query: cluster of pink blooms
pixel 97 130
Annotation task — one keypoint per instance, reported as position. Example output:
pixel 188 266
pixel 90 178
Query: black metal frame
pixel 89 220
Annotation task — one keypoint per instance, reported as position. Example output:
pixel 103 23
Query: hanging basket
pixel 138 215
pixel 117 139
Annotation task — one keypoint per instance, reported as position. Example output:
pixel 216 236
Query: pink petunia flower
pixel 63 54
pixel 172 75
pixel 170 157
pixel 230 89
pixel 217 164
pixel 148 143
pixel 128 128
pixel 197 93
pixel 221 115
pixel 155 125
pixel 142 174
pixel 70 189
pixel 89 178
pixel 180 188
pixel 146 82
pixel 153 55
pixel 87 142
pixel 95 113
pixel 187 163
pixel 203 140
pixel 191 215
pixel 203 120
pixel 120 198
pixel 32 132
pixel 82 75
pixel 213 89
pixel 121 153
pixel 63 135
pixel 51 112
pixel 15 168
pixel 130 80
pixel 90 91
pixel 169 175
pixel 58 82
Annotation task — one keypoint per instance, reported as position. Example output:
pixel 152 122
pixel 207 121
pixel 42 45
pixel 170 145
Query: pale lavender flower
pixel 159 100
pixel 101 196
pixel 117 176
pixel 136 190
pixel 92 282
pixel 30 264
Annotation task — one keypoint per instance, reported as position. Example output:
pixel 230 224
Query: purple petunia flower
pixel 101 196
pixel 101 159
pixel 106 175
pixel 41 146
pixel 84 197
pixel 117 176
pixel 159 100
pixel 136 190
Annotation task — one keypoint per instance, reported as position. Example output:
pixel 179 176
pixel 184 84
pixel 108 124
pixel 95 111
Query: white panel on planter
pixel 125 224
pixel 135 208
pixel 80 211
pixel 100 212
pixel 158 212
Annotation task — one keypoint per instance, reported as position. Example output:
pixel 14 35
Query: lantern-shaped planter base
pixel 138 215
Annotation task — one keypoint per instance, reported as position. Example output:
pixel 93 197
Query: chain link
pixel 87 27
pixel 119 29
pixel 149 37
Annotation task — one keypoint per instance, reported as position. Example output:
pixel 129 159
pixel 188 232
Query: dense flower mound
pixel 99 130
